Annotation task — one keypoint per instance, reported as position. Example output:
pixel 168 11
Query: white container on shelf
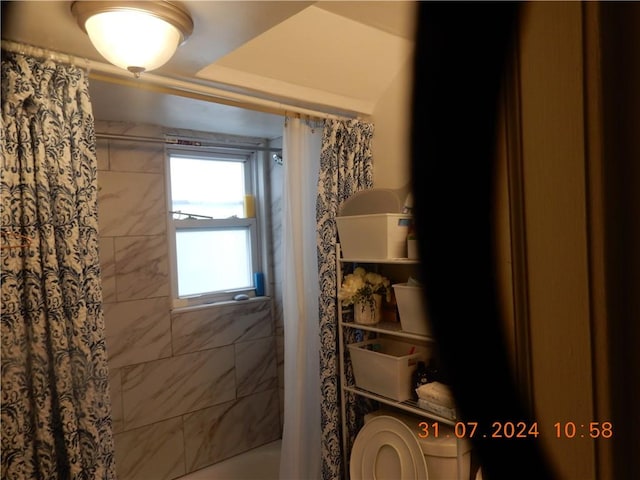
pixel 385 366
pixel 377 236
pixel 412 248
pixel 411 307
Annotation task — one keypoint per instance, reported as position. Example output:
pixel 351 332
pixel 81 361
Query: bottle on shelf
pixel 419 378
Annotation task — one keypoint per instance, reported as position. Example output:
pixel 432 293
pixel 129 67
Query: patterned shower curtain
pixel 345 168
pixel 56 413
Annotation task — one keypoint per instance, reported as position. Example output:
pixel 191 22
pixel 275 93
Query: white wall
pixel 391 140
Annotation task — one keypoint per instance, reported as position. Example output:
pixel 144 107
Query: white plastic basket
pixel 376 236
pixel 411 307
pixel 385 366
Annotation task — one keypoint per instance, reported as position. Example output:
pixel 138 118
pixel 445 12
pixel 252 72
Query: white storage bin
pixel 385 366
pixel 411 307
pixel 376 236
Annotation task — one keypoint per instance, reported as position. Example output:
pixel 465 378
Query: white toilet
pixel 388 448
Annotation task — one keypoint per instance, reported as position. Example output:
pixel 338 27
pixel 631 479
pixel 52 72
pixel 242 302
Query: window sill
pixel 191 308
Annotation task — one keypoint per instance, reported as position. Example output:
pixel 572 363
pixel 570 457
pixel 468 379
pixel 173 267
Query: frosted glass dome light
pixel 135 36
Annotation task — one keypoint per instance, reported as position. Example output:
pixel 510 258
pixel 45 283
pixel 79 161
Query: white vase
pixel 368 312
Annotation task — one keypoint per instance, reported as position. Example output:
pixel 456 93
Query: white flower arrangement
pixel 361 286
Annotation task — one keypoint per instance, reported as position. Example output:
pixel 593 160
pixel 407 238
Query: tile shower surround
pixel 188 388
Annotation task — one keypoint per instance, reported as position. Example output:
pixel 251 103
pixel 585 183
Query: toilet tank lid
pixel 445 445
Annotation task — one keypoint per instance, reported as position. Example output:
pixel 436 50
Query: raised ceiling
pixel 338 54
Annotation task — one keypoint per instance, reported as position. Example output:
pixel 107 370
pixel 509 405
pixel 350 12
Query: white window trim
pixel 251 188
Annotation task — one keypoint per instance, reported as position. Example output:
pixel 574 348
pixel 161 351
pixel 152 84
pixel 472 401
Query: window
pixel 214 247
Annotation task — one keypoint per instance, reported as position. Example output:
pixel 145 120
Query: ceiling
pixel 339 55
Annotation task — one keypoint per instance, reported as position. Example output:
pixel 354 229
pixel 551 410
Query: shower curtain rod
pixel 182 141
pixel 173 86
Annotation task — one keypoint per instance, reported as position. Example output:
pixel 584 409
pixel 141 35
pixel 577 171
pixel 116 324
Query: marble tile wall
pixel 191 387
pixel 276 191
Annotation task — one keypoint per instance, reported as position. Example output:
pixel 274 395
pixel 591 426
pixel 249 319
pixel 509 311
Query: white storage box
pixel 376 236
pixel 385 366
pixel 411 307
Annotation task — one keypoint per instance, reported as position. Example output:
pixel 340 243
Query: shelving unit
pixel 385 329
pixel 408 405
pixel 389 328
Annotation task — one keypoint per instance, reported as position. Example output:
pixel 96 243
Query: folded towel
pixel 436 392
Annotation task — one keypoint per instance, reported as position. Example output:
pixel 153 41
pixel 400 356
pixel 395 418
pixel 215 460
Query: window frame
pixel 249 158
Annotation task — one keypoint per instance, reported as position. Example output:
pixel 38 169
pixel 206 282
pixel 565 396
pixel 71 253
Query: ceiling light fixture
pixel 135 36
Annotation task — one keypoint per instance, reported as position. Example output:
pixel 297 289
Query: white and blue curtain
pixel 345 168
pixel 56 413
